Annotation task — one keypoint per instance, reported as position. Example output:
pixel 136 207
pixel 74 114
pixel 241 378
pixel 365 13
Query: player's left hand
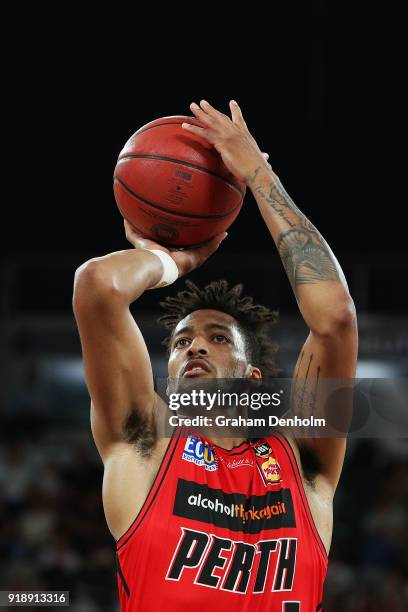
pixel 230 137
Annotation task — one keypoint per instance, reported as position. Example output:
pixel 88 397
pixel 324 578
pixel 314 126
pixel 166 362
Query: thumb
pixel 206 249
pixel 189 259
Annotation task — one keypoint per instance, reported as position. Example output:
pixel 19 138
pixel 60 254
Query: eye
pixel 220 338
pixel 182 342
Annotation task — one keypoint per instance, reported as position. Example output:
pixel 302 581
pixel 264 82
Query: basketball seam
pixel 183 163
pixel 151 127
pixel 167 210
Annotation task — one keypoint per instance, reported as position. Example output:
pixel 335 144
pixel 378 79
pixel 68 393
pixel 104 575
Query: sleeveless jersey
pixel 223 530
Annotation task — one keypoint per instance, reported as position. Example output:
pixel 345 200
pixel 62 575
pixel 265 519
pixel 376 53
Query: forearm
pixel 315 275
pixel 124 274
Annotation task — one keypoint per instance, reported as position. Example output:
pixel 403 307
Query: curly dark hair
pixel 254 320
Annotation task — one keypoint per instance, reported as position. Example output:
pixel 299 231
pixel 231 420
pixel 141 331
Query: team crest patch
pixel 268 466
pixel 199 452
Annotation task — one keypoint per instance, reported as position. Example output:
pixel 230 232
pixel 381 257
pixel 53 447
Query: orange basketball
pixel 173 186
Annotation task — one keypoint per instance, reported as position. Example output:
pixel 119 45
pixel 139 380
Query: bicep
pixel 332 356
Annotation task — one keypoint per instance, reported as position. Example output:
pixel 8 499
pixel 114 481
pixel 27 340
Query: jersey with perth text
pixel 223 528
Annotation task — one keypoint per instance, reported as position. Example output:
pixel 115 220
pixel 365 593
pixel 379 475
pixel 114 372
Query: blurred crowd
pixel 368 568
pixel 53 534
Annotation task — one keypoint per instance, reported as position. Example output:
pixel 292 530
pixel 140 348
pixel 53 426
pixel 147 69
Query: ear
pixel 253 372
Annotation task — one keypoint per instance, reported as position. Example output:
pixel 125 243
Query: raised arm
pixel 318 282
pixel 117 364
pixel 321 291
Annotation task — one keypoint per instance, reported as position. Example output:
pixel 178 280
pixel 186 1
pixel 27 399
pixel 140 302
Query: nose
pixel 197 347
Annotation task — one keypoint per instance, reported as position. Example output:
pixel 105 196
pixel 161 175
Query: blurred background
pixel 319 87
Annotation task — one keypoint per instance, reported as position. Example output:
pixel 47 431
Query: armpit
pixel 311 464
pixel 140 431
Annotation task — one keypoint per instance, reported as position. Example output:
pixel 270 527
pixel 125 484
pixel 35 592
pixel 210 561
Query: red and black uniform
pixel 223 530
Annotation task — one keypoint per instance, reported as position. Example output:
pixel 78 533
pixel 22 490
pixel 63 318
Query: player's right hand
pixel 186 259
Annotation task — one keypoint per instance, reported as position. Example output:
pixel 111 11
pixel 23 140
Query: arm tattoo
pixel 305 255
pixel 279 200
pixel 304 389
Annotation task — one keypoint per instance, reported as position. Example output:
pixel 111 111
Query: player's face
pixel 208 344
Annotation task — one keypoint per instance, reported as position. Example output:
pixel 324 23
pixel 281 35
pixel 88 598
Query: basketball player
pixel 223 523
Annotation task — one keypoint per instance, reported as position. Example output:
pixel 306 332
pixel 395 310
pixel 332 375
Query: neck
pixel 227 442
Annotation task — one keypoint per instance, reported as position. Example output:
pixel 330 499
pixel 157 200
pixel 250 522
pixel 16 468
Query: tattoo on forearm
pixel 305 257
pixel 279 200
pixel 255 174
pixel 278 205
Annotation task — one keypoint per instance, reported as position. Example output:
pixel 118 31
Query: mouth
pixel 195 367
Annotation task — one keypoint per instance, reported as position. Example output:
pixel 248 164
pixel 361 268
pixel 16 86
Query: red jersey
pixel 223 530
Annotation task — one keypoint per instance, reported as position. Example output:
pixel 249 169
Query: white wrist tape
pixel 170 269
